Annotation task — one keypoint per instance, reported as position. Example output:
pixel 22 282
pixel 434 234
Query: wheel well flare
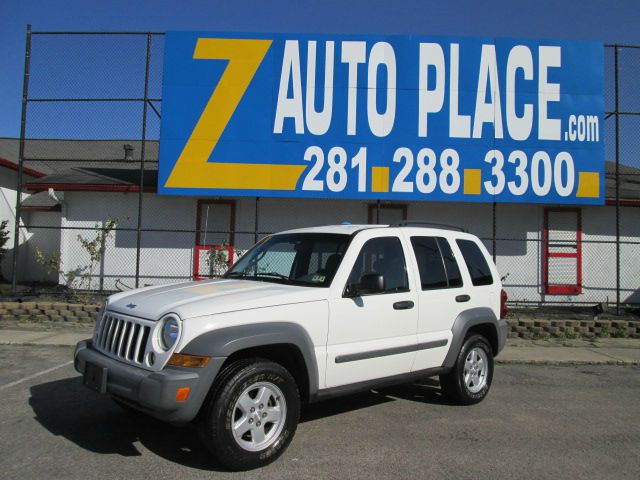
pixel 285 354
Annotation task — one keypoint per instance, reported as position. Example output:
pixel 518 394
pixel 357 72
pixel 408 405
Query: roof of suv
pixel 345 229
pixel 350 229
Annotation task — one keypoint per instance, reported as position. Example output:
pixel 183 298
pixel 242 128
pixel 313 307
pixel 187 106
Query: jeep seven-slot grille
pixel 123 338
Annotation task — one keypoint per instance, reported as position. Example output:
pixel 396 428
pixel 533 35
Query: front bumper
pixel 152 392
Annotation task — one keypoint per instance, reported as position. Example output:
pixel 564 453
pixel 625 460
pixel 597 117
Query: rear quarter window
pixel 476 263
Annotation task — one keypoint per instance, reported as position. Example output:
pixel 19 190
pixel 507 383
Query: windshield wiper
pixel 235 275
pixel 272 274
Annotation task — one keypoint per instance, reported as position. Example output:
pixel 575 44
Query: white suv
pixel 304 315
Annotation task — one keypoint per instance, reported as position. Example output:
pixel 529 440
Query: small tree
pixel 53 264
pixel 94 247
pixel 218 260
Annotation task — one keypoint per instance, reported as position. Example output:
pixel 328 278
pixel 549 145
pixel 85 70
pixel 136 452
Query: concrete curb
pixel 567 362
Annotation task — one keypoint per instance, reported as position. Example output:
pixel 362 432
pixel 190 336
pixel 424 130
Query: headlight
pixel 170 331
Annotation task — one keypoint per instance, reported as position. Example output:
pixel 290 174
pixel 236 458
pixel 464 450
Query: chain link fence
pixel 88 217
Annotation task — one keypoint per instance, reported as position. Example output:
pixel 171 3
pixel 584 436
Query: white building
pixel 547 253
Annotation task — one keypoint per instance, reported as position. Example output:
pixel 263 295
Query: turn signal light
pixel 182 394
pixel 189 361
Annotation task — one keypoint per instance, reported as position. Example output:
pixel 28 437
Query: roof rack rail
pixel 430 224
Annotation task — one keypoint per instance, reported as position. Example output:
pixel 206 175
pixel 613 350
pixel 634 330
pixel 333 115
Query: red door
pixel 215 237
pixel 562 251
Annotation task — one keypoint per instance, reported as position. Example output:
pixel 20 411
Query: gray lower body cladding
pixel 153 393
pixel 503 330
pixel 473 318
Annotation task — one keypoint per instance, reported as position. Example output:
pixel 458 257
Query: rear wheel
pixel 470 379
pixel 251 414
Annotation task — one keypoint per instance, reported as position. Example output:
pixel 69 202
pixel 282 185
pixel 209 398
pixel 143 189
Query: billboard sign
pixel 382 117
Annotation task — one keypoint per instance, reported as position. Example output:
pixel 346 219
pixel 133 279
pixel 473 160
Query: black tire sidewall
pixel 474 341
pixel 220 415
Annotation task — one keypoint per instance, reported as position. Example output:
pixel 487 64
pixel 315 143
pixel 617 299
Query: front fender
pixel 226 341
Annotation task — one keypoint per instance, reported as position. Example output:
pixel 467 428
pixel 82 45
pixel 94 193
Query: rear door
pixel 442 296
pixel 480 274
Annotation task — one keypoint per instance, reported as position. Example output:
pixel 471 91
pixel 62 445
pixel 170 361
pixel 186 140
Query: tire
pixel 272 393
pixel 470 379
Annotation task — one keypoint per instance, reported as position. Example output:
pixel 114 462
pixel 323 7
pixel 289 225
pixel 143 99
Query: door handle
pixel 405 305
pixel 463 298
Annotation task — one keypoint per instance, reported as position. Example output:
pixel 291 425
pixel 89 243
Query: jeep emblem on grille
pixel 131 305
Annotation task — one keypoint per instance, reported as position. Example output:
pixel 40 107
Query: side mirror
pixel 370 283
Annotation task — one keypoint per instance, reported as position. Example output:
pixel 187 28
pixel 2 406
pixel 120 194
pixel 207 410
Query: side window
pixel 382 255
pixel 476 263
pixel 450 264
pixel 319 263
pixel 436 263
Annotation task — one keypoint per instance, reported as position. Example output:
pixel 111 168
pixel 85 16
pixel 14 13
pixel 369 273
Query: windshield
pixel 309 259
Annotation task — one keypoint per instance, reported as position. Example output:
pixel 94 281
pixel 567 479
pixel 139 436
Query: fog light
pixel 189 361
pixel 182 394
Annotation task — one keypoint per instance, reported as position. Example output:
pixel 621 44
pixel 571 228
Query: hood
pixel 196 299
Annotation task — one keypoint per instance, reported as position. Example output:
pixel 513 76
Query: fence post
pixel 255 221
pixel 493 247
pixel 617 113
pixel 142 158
pixel 23 125
pixel 103 248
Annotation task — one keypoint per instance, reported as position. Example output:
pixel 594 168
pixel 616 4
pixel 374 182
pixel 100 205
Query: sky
pixel 610 21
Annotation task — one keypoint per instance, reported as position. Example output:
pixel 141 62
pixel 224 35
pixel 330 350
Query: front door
pixel 373 336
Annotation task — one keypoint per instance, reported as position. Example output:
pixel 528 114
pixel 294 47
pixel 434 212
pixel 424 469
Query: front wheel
pixel 251 414
pixel 470 379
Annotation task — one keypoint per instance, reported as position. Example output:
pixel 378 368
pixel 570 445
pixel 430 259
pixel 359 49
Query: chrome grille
pixel 124 338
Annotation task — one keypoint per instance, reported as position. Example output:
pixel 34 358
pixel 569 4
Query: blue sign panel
pixel 382 117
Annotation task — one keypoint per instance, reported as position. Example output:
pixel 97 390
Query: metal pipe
pixel 255 221
pixel 494 231
pixel 89 99
pixel 23 125
pixel 142 154
pixel 617 113
pixel 155 110
pixel 94 163
pixel 97 33
pixel 252 231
